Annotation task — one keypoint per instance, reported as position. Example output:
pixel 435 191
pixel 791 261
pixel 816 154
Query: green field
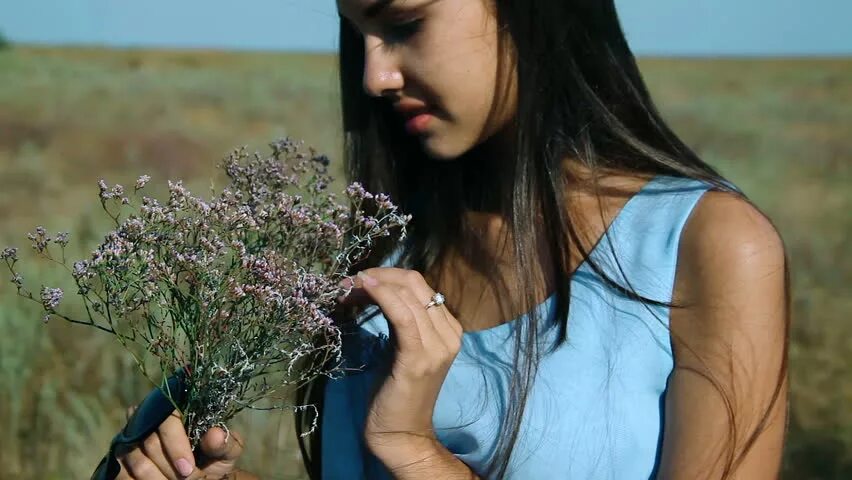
pixel 780 129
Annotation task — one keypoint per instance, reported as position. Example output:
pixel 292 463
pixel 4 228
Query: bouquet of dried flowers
pixel 233 292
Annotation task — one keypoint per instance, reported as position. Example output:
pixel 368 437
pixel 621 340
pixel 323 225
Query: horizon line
pixel 326 51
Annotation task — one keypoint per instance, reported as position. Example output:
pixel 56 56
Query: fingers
pixel 396 310
pixel 425 322
pixel 176 450
pixel 402 295
pixel 152 448
pixel 449 328
pixel 446 324
pixel 167 453
pixel 137 466
pixel 150 462
pixel 123 474
pixel 219 445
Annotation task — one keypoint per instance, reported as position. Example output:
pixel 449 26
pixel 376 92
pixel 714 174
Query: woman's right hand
pixel 166 454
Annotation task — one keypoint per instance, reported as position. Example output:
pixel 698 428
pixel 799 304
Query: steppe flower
pixel 239 286
pixel 50 298
pixel 142 181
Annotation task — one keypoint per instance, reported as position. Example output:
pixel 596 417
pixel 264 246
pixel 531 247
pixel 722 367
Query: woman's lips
pixel 419 123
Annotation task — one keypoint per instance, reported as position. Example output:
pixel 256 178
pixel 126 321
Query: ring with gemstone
pixel 437 299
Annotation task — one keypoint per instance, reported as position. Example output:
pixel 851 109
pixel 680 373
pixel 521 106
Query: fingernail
pixel 368 280
pixel 183 467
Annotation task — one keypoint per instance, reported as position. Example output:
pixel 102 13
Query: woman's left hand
pixel 426 342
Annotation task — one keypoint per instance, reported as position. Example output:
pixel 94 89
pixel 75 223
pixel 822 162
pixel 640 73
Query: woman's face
pixel 436 62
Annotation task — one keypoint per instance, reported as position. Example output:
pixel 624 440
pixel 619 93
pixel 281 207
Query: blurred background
pixel 93 89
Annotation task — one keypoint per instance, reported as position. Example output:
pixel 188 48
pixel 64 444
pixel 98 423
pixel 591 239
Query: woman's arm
pixel 731 278
pixel 426 338
pixel 418 458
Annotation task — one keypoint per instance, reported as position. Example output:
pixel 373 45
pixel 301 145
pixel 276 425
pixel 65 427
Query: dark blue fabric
pixel 153 411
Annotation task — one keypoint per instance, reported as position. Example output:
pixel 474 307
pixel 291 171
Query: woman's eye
pixel 402 31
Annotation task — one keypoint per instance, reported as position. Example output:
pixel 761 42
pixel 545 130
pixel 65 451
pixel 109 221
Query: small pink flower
pixel 142 181
pixel 9 253
pixel 200 277
pixel 50 298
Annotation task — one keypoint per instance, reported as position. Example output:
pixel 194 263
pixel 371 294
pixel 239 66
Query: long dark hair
pixel 581 96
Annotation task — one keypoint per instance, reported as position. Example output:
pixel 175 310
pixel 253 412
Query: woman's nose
pixel 381 73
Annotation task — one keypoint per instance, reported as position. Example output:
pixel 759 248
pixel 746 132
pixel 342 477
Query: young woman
pixel 611 307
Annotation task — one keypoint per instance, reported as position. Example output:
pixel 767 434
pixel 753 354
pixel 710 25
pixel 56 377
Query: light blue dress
pixel 595 410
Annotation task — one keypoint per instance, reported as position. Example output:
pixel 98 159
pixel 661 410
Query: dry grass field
pixel 780 129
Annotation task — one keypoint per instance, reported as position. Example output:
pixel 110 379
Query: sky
pixel 653 27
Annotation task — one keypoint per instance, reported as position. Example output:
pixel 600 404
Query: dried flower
pixel 104 190
pixel 239 286
pixel 40 239
pixel 9 253
pixel 142 181
pixel 81 270
pixel 50 298
pixel 356 192
pixel 61 239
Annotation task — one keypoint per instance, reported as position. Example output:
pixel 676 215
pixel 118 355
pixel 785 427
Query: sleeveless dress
pixel 596 407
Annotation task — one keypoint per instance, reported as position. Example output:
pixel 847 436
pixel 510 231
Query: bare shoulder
pixel 725 216
pixel 730 273
pixel 727 240
pixel 730 325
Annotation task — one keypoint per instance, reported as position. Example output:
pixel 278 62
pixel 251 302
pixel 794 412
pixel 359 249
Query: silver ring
pixel 437 299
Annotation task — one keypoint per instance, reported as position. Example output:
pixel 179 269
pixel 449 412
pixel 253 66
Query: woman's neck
pixel 484 298
pixel 480 280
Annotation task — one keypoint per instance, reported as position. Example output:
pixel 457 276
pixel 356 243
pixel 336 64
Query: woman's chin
pixel 441 150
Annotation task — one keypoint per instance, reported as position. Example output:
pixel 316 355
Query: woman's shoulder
pixel 731 331
pixel 731 270
pixel 728 230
